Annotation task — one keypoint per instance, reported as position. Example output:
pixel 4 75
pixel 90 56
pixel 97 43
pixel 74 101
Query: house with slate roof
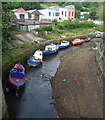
pixel 35 13
pixel 20 13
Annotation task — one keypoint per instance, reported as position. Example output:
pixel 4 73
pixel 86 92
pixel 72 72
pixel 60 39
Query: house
pixel 35 14
pixel 50 13
pixel 61 14
pixel 20 13
pixel 82 14
pixel 70 12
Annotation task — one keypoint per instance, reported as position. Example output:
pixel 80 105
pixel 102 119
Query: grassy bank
pixel 56 34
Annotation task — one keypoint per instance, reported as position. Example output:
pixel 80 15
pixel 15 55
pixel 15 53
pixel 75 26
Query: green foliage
pixel 29 15
pixel 86 16
pixel 60 27
pixel 77 14
pixel 99 27
pixel 84 10
pixel 55 21
pixel 93 15
pixel 73 25
pixel 38 29
pixel 47 28
pixel 6 27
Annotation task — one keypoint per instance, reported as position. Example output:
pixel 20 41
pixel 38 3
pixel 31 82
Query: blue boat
pixel 86 39
pixel 64 44
pixel 36 59
pixel 50 49
pixel 17 76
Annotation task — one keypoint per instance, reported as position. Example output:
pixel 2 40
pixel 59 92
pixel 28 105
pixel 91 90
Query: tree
pixel 29 15
pixel 6 27
pixel 93 15
pixel 77 14
pixel 100 11
pixel 86 16
pixel 34 17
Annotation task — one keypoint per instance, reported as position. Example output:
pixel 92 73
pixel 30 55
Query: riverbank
pixel 82 93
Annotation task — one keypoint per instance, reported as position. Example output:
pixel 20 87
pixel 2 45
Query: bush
pixel 38 29
pixel 55 21
pixel 47 28
pixel 60 27
pixel 73 25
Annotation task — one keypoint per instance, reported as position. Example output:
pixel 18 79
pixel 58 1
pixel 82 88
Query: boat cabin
pixel 77 40
pixel 50 47
pixel 38 55
pixel 64 43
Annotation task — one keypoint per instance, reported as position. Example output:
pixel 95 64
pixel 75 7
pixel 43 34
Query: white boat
pixel 64 44
pixel 36 59
pixel 50 49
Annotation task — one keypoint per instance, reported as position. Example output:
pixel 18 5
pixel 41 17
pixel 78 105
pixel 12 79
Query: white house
pixel 20 13
pixel 82 14
pixel 61 14
pixel 50 13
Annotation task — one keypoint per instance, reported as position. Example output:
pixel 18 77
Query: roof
pixel 70 7
pixel 54 8
pixel 35 11
pixel 20 10
pixel 45 21
pixel 25 23
pixel 42 21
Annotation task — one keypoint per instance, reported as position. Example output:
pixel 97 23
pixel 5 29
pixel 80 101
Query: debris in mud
pixel 64 80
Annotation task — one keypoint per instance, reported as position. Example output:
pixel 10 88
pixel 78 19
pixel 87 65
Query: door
pixel 23 28
pixel 15 29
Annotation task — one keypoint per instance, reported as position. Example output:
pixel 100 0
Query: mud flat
pixel 82 93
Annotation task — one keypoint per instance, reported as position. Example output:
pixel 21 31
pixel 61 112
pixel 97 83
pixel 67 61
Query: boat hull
pixel 16 85
pixel 33 64
pixel 76 43
pixel 61 47
pixel 49 52
pixel 85 40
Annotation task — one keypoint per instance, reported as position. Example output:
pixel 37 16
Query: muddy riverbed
pixel 35 98
pixel 81 94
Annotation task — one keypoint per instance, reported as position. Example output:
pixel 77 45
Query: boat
pixel 64 44
pixel 50 49
pixel 36 59
pixel 99 35
pixel 87 39
pixel 77 41
pixel 17 76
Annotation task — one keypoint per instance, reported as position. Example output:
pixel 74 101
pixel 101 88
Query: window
pixel 65 13
pixel 53 14
pixel 49 13
pixel 21 16
pixel 21 71
pixel 72 13
pixel 69 14
pixel 62 12
pixel 57 14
